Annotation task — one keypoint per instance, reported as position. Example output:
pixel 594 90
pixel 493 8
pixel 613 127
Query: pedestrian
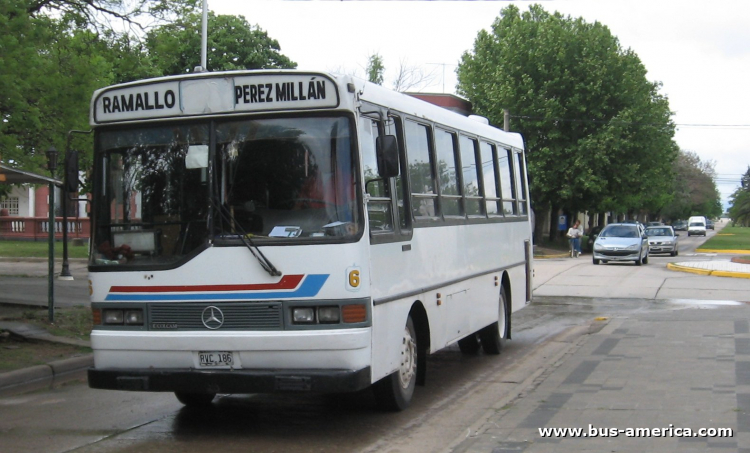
pixel 574 234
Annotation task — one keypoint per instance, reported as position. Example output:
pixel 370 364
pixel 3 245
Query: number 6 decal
pixel 353 278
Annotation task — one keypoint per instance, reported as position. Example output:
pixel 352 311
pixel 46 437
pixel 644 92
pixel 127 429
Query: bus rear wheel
pixel 195 399
pixel 493 336
pixel 394 392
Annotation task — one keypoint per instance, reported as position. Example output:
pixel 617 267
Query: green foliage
pixel 375 69
pixel 233 43
pixel 49 71
pixel 599 135
pixel 740 209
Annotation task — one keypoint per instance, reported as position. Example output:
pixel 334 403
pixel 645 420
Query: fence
pixel 37 228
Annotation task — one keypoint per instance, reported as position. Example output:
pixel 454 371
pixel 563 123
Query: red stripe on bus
pixel 286 282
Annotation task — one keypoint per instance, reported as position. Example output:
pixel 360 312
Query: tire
pixel 645 259
pixel 394 392
pixel 596 261
pixel 639 261
pixel 493 336
pixel 195 399
pixel 469 345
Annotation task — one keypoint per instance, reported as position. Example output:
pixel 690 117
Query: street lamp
pixel 51 166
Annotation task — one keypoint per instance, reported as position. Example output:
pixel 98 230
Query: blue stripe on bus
pixel 309 288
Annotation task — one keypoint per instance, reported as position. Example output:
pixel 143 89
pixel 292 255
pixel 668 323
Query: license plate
pixel 211 359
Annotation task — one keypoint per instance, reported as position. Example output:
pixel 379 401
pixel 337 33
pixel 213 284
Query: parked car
pixel 680 225
pixel 592 237
pixel 622 242
pixel 662 239
pixel 709 224
pixel 697 226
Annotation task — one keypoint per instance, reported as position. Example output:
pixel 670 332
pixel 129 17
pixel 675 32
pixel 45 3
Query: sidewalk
pixel 625 394
pixel 43 376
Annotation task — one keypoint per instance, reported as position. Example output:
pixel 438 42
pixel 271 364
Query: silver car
pixel 622 242
pixel 662 239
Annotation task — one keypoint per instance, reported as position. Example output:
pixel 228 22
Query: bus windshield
pixel 164 193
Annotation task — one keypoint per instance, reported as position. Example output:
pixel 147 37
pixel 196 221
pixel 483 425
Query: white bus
pixel 288 231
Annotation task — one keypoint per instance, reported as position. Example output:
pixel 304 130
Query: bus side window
pixel 421 176
pixel 470 172
pixel 446 145
pixel 522 189
pixel 379 207
pixel 507 191
pixel 487 153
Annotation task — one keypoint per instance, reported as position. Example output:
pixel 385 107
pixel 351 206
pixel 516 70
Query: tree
pixel 49 71
pixel 99 14
pixel 375 69
pixel 693 188
pixel 409 76
pixel 739 212
pixel 232 43
pixel 598 134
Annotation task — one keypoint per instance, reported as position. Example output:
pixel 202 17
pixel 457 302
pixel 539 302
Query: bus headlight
pixel 112 317
pixel 133 317
pixel 303 315
pixel 328 314
pixel 119 317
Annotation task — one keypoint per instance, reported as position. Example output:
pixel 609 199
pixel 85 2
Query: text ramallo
pixel 135 102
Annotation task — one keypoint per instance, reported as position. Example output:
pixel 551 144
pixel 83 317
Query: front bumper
pixel 618 255
pixel 657 248
pixel 229 381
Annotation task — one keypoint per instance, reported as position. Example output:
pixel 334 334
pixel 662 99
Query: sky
pixel 698 51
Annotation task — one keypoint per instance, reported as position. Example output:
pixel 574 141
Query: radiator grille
pixel 238 315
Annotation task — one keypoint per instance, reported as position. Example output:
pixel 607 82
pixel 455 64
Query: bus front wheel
pixel 493 336
pixel 394 392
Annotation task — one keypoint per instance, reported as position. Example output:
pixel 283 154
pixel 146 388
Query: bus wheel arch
pixel 395 391
pixel 418 314
pixel 493 336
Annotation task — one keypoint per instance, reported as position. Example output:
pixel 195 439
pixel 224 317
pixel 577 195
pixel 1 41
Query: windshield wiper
pixel 228 217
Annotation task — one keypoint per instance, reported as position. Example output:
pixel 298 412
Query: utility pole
pixel 51 166
pixel 506 120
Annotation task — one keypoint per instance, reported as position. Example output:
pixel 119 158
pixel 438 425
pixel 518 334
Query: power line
pixel 579 120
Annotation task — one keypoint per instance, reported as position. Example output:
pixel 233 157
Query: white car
pixel 622 242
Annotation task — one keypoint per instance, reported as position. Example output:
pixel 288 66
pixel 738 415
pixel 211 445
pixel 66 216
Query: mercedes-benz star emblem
pixel 212 317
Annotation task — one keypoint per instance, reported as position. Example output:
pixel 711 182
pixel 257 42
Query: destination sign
pixel 214 95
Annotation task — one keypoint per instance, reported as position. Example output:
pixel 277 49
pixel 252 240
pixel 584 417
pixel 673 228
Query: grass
pixel 39 249
pixel 729 238
pixel 17 353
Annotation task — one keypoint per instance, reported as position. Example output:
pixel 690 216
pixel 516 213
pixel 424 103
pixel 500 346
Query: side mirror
pixel 387 155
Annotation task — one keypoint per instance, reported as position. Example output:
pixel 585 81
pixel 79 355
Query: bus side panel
pixel 460 263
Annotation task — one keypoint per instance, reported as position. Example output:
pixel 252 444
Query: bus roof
pixel 236 92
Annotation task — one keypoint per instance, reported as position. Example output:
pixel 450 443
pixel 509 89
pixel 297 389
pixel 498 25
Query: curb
pixel 544 257
pixel 732 252
pixel 46 376
pixel 693 270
